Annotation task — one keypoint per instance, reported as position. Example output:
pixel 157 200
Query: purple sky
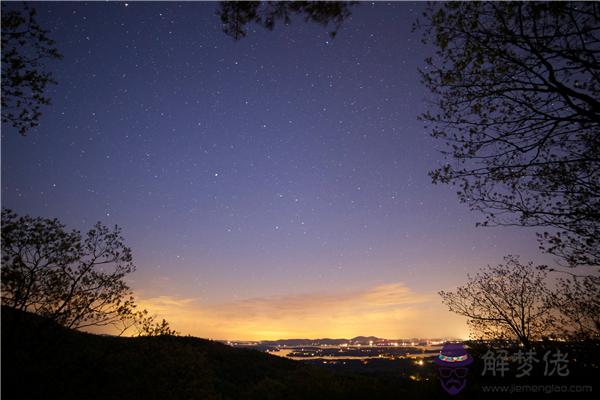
pixel 276 186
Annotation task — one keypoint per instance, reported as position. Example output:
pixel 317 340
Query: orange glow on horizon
pixel 387 311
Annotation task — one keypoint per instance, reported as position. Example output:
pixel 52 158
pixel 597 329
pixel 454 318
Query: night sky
pixel 272 187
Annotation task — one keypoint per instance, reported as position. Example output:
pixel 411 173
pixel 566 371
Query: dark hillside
pixel 41 360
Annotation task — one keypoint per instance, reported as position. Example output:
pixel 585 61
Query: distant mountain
pixel 41 360
pixel 303 342
pixel 365 339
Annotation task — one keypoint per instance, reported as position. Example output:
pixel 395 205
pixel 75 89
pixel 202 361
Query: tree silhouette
pixel 25 49
pixel 577 298
pixel 75 280
pixel 516 96
pixel 504 302
pixel 235 15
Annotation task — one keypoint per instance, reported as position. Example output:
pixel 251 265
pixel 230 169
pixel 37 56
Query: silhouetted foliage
pixel 577 298
pixel 25 48
pixel 235 15
pixel 74 280
pixel 504 302
pixel 516 92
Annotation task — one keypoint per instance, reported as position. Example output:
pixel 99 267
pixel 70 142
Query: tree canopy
pixel 236 15
pixel 73 279
pixel 578 300
pixel 26 47
pixel 516 98
pixel 504 302
pixel 517 301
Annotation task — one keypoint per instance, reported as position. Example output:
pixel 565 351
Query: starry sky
pixel 272 187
